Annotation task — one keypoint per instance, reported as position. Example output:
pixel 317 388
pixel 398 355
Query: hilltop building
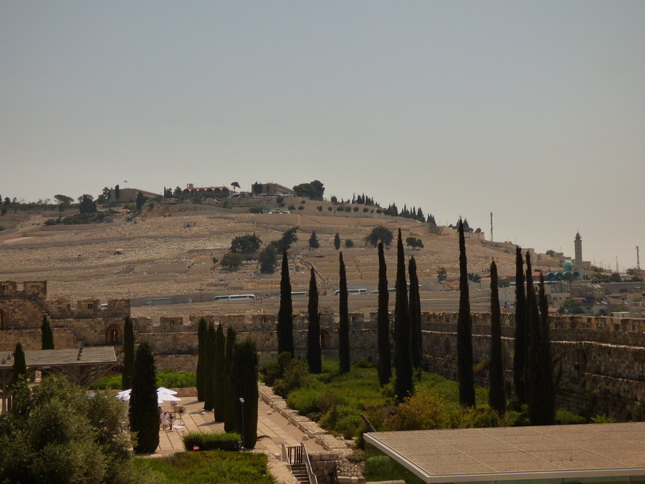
pixel 271 189
pixel 129 195
pixel 191 189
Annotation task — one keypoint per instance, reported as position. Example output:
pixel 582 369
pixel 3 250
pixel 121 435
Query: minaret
pixel 578 251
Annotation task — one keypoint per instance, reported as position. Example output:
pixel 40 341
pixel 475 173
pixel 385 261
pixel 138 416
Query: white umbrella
pixel 166 390
pixel 163 395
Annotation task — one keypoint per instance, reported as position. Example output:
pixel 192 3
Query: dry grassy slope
pixel 170 251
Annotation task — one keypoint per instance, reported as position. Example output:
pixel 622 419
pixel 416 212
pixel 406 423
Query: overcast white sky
pixel 534 111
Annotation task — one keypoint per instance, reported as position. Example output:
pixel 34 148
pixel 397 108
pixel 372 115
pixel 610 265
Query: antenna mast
pixel 638 260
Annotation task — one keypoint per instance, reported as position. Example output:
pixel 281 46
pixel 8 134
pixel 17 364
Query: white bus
pixel 351 291
pixel 159 301
pixel 234 297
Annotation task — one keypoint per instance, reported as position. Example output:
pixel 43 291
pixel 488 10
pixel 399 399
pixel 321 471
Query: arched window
pixel 113 335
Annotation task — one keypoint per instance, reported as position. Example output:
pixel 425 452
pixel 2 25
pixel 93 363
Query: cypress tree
pixel 47 335
pixel 313 240
pixel 547 389
pixel 464 330
pixel 404 384
pixel 244 384
pixel 314 351
pixel 285 313
pixel 384 356
pixel 496 395
pixel 519 357
pixel 19 368
pixel 540 391
pixel 202 333
pixel 219 375
pixel 209 370
pixel 128 354
pixel 229 414
pixel 144 413
pixel 343 328
pixel 531 316
pixel 337 241
pixel 415 315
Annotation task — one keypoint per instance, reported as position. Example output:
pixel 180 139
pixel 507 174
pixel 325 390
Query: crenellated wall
pixel 602 359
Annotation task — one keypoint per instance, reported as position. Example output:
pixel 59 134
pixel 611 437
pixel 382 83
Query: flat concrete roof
pixel 90 355
pixel 518 453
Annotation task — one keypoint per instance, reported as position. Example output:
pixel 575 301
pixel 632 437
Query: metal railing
pixel 310 472
pixel 298 455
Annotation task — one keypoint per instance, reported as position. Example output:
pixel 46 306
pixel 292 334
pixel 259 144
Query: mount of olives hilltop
pixel 168 251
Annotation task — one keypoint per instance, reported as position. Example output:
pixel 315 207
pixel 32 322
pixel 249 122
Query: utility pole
pixel 491 226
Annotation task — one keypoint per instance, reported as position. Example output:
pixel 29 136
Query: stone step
pixel 299 471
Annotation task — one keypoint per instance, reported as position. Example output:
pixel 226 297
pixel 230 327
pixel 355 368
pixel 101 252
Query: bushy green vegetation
pixel 166 379
pixel 213 466
pixel 208 441
pixel 55 433
pixel 336 401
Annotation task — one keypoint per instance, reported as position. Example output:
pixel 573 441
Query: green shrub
pixel 344 419
pixel 565 417
pixel 420 412
pixel 349 425
pixel 107 383
pixel 176 379
pixel 208 441
pixel 513 418
pixel 275 368
pixel 600 419
pixel 476 417
pixel 165 379
pixel 295 376
pixel 306 400
pixel 255 210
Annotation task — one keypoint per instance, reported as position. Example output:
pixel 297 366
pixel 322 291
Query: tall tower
pixel 578 251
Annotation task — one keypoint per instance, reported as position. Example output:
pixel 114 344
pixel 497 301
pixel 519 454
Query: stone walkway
pixel 273 430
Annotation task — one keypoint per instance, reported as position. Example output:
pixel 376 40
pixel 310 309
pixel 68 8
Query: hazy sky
pixel 534 111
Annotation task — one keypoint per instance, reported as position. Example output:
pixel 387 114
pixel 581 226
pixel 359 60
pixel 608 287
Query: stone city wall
pixel 602 359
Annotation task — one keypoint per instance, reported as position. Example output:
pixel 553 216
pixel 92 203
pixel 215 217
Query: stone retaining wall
pixel 324 464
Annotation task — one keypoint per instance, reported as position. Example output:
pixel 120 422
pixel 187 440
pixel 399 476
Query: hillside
pixel 168 251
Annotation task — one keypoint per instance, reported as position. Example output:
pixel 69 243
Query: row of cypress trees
pixel 408 353
pixel 532 362
pixel 227 371
pixel 532 365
